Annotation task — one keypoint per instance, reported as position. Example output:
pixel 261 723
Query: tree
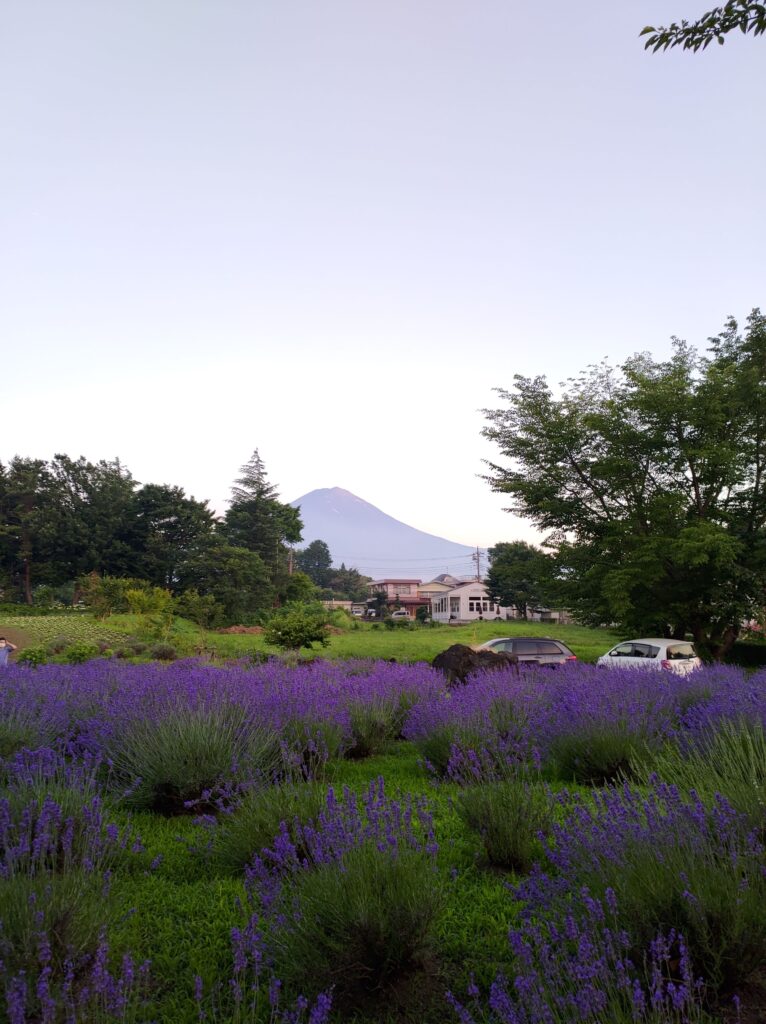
pixel 652 479
pixel 299 589
pixel 316 561
pixel 735 14
pixel 258 521
pixel 349 584
pixel 30 541
pixel 169 528
pixel 236 578
pixel 518 575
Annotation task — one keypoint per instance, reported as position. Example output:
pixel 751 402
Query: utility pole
pixel 477 558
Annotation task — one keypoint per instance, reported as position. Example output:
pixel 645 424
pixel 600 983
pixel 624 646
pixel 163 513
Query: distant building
pixel 399 594
pixel 467 602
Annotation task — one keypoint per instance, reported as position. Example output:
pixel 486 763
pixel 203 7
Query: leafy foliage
pixel 297 626
pixel 745 15
pixel 519 576
pixel 650 478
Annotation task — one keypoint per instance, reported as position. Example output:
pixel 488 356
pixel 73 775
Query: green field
pixel 355 640
pixel 366 640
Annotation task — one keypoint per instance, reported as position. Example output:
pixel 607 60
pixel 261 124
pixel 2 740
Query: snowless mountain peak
pixel 364 537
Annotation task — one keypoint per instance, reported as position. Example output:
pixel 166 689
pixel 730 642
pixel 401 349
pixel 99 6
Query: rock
pixel 458 661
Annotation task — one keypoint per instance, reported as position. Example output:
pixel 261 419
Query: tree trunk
pixel 27 581
pixel 714 645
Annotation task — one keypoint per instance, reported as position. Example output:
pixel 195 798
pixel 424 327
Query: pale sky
pixel 329 229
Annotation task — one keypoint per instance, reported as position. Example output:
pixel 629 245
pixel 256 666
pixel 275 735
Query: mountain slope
pixel 365 538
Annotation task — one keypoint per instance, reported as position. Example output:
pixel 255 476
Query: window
pixel 503 645
pixel 548 647
pixel 681 652
pixel 525 647
pixel 623 651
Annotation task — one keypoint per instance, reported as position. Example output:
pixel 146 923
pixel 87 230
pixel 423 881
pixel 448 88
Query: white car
pixel 674 655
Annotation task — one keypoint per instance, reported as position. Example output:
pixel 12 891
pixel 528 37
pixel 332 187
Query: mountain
pixel 365 538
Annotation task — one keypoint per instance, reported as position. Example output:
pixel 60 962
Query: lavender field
pixel 353 841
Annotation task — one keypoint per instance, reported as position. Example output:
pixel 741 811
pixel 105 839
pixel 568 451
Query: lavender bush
pixel 570 969
pixel 170 762
pixel 729 760
pixel 258 818
pixel 673 864
pixel 350 899
pixel 509 815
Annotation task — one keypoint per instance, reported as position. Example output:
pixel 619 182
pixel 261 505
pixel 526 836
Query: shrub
pixel 508 815
pixel 359 927
pixel 730 759
pixel 79 652
pixel 594 756
pixel 374 725
pixel 163 652
pixel 579 971
pixel 24 726
pixel 41 982
pixel 670 864
pixel 200 608
pixel 295 626
pixel 307 745
pixel 170 762
pixel 57 645
pixel 73 912
pixel 32 656
pixel 257 819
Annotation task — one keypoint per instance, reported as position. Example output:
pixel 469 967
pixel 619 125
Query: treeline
pixel 67 521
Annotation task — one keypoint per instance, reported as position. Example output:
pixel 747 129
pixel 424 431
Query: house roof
pixel 375 583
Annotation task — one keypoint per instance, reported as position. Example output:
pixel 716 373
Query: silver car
pixel 653 653
pixel 534 650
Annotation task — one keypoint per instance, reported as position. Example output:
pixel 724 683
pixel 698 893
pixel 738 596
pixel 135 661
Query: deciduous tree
pixel 519 576
pixel 652 479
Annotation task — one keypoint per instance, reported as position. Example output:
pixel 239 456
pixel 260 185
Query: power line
pixel 433 558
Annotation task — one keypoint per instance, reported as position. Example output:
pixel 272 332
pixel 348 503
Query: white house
pixel 466 603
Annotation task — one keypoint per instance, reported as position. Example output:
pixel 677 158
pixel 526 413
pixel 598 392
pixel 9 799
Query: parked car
pixel 400 613
pixel 535 650
pixel 653 653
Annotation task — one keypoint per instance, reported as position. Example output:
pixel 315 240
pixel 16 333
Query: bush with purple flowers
pixel 349 900
pixel 673 865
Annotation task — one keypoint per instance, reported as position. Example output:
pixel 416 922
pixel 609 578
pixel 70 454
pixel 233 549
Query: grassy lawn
pixel 364 640
pixel 360 640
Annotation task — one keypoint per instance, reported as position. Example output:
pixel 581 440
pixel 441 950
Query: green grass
pixel 360 640
pixel 363 640
pixel 180 915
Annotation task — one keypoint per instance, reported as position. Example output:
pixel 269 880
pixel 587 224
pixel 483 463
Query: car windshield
pixel 678 651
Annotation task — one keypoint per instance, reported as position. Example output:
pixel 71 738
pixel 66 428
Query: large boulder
pixel 458 661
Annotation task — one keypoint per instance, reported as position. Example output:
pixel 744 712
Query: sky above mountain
pixel 329 230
